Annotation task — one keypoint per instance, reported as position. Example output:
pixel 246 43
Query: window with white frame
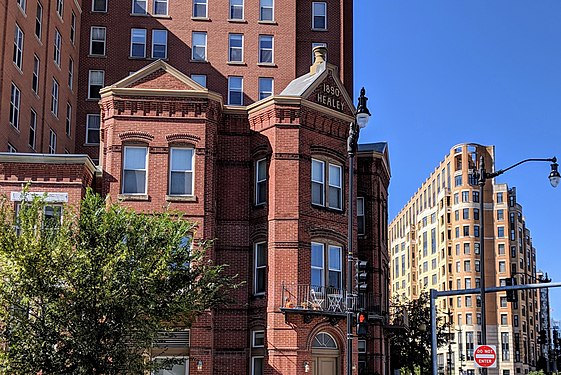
pixel 257 365
pixel 258 339
pixel 22 5
pixel 68 122
pixel 361 222
pixel 139 6
pixel 236 9
pixel 327 182
pixel 54 98
pixel 58 43
pixel 32 129
pixel 18 47
pixel 235 47
pixel 39 21
pixel 99 6
pixel 70 73
pixel 15 101
pixel 60 7
pixel 318 44
pixel 198 46
pixel 319 15
pixel 92 128
pixel 178 366
pixel 265 87
pixel 265 49
pixel 11 148
pixel 73 28
pixel 326 266
pixel 138 43
pixel 161 7
pixel 261 181
pixel 181 171
pixel 199 78
pixel 97 40
pixel 35 75
pixel 200 8
pixel 235 90
pixel 134 169
pixel 266 10
pixel 95 83
pixel 52 142
pixel 260 268
pixel 159 44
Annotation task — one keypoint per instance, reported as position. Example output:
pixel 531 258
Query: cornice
pixel 66 159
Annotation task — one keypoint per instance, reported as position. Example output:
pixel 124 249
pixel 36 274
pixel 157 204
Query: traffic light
pixel 542 338
pixel 511 295
pixel 361 324
pixel 361 276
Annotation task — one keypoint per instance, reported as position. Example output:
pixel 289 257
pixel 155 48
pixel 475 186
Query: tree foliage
pixel 89 294
pixel 410 347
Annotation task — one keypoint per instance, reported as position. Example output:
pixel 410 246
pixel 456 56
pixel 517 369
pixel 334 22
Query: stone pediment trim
pixel 296 101
pixel 178 137
pixel 134 136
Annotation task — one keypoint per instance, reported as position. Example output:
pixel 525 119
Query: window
pixel 500 215
pixel 52 142
pixel 332 276
pixel 468 301
pixel 11 148
pixel 502 266
pixel 515 320
pixel 319 15
pixel 468 283
pixel 139 6
pixel 459 302
pixel 260 280
pixel 458 180
pixel 456 198
pixel 476 214
pixel 70 73
pixel 500 232
pixel 501 249
pixel 258 340
pixel 60 7
pixel 181 171
pixel 97 41
pixel 68 123
pixel 505 347
pixel 138 43
pixel 159 44
pixel 54 98
pixel 265 87
pixel 235 47
pixel 200 8
pixel 360 216
pixel 504 320
pixel 235 90
pixel 469 319
pixel 92 128
pixel 467 266
pixel 58 42
pixel 477 266
pixel 15 101
pixel 314 45
pixel 466 230
pixel 469 346
pixel 261 181
pixel 466 248
pixel 18 47
pixel 457 215
pixel 499 197
pixel 39 21
pixel 266 10
pixel 475 196
pixel 161 7
pixel 199 46
pixel 465 213
pixel 476 230
pixel 32 129
pixel 503 302
pixel 265 49
pixel 257 366
pixel 199 78
pixel 95 83
pixel 99 6
pixel 236 9
pixel 334 190
pixel 465 196
pixel 73 28
pixel 134 170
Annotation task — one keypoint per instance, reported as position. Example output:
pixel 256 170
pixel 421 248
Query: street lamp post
pixel 483 176
pixel 361 119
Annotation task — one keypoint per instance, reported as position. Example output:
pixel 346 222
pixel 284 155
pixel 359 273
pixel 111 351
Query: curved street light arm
pixel 501 171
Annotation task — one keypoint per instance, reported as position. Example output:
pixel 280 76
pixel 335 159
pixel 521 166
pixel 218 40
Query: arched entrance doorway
pixel 325 355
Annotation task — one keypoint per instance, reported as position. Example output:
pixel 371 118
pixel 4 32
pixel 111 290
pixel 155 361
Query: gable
pixel 161 79
pixel 329 92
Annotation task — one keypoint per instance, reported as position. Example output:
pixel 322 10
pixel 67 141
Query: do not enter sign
pixel 485 356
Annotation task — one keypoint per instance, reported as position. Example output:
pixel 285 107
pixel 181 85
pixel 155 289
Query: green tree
pixel 410 345
pixel 88 294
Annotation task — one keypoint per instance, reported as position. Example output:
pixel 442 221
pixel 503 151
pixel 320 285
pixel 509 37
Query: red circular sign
pixel 485 356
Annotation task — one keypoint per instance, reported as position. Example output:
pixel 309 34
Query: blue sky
pixel 442 72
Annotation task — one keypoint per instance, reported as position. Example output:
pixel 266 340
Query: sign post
pixel 485 356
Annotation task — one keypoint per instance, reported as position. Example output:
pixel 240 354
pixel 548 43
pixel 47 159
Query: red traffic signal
pixel 361 324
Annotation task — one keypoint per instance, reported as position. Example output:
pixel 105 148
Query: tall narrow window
pixel 52 142
pixel 335 275
pixel 261 181
pixel 257 365
pixel 139 6
pixel 161 7
pixel 58 43
pixel 95 83
pixel 265 49
pixel 22 5
pixel 134 170
pixel 68 122
pixel 260 273
pixel 265 87
pixel 181 171
pixel 99 6
pixel 54 97
pixel 138 42
pixel 266 10
pixel 235 90
pixel 335 186
pixel 97 40
pixel 235 47
pixel 70 73
pixel 317 263
pixel 92 128
pixel 200 8
pixel 32 128
pixel 18 47
pixel 60 7
pixel 15 100
pixel 73 28
pixel 360 216
pixel 236 9
pixel 199 46
pixel 39 21
pixel 318 182
pixel 159 44
pixel 35 77
pixel 319 15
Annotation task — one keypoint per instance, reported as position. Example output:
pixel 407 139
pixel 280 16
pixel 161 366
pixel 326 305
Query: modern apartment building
pixel 434 243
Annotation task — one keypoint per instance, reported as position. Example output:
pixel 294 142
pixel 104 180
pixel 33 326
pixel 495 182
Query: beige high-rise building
pixel 434 243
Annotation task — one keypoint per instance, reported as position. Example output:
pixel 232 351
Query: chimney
pixel 320 54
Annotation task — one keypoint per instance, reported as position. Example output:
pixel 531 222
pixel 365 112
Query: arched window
pixel 324 341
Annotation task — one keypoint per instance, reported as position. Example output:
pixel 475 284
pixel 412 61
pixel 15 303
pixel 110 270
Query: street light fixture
pixel 362 116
